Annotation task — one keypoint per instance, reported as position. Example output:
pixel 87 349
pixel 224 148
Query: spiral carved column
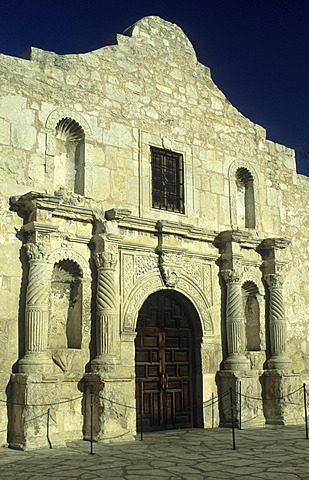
pixel 234 322
pixel 37 312
pixel 277 322
pixel 106 304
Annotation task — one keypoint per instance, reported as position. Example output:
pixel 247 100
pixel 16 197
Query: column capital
pixel 273 280
pixel 231 275
pixel 37 252
pixel 106 260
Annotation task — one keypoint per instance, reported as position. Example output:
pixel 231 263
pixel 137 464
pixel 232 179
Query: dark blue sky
pixel 258 50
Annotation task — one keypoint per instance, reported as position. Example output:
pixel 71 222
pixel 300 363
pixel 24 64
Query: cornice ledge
pixel 185 230
pixel 39 227
pixel 244 238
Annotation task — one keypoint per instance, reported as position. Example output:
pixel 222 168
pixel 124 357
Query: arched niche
pixel 66 305
pixel 66 141
pixel 244 196
pixel 245 204
pixel 252 314
pixel 69 156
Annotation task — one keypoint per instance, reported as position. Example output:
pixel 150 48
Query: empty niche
pixel 245 199
pixel 66 305
pixel 70 156
pixel 252 316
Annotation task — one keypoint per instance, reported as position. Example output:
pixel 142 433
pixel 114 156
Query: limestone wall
pixel 145 88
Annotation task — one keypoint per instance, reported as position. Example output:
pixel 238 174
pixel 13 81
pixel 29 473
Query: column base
pixel 103 362
pixel 35 363
pixel 278 362
pixel 236 362
pixel 113 408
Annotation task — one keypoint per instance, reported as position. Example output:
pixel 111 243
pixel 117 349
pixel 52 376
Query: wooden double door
pixel 163 366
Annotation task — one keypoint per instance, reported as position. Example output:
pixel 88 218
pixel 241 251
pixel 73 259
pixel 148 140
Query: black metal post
pixel 239 399
pixel 91 420
pixel 232 418
pixel 47 428
pixel 142 407
pixel 305 404
pixel 212 411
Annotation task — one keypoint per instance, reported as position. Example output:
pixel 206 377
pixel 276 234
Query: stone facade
pixel 83 246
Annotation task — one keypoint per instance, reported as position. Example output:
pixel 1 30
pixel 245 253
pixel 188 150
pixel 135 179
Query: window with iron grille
pixel 167 180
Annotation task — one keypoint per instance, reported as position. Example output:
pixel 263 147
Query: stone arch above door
pixel 152 283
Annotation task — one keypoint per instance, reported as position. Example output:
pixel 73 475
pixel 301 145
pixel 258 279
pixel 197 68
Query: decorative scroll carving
pixel 194 271
pixel 128 269
pixel 144 264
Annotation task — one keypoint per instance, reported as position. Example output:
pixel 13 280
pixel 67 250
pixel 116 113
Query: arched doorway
pixel 168 363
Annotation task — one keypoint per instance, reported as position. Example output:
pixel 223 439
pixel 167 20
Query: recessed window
pixel 245 199
pixel 167 180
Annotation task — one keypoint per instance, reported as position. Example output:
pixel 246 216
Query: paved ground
pixel 195 454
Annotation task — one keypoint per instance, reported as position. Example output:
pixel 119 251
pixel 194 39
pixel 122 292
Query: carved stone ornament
pixel 169 276
pixel 145 264
pixel 273 280
pixel 105 260
pixel 231 276
pixel 37 252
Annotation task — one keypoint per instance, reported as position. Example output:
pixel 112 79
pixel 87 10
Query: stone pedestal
pixel 247 399
pixel 110 407
pixel 281 405
pixel 32 413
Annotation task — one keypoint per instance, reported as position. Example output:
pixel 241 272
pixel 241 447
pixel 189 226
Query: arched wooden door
pixel 164 364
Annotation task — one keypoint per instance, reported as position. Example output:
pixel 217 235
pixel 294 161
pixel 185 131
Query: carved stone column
pixel 277 323
pixel 36 358
pixel 271 250
pixel 106 304
pixel 236 359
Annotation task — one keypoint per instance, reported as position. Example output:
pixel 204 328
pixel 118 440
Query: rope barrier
pixel 205 404
pixel 43 404
pixel 268 399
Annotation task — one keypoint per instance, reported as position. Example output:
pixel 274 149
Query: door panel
pixel 163 365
